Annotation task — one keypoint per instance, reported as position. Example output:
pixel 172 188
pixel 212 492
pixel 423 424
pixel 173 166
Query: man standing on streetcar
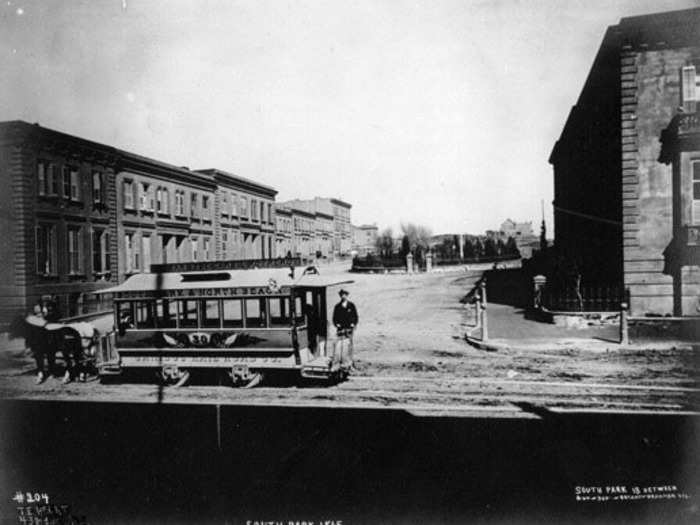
pixel 345 320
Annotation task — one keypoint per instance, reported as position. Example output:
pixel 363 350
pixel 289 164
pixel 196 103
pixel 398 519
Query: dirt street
pixel 411 354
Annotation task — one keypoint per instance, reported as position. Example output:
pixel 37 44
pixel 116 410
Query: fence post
pixel 409 263
pixel 484 314
pixel 624 329
pixel 428 262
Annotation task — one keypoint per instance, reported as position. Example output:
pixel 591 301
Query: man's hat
pixel 343 292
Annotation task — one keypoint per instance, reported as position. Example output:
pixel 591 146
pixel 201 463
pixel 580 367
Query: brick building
pixel 625 212
pixel 245 225
pixel 57 222
pixel 79 216
pixel 164 214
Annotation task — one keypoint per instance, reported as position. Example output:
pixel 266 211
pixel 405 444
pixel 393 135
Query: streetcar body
pixel 244 322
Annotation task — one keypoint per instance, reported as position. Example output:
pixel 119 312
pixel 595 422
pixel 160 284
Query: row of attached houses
pixel 77 216
pixel 627 165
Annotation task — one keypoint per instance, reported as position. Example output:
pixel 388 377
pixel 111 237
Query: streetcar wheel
pixel 173 376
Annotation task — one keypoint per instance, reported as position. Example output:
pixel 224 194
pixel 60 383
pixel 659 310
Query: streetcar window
pixel 165 314
pixel 144 314
pixel 125 314
pixel 255 313
pixel 210 313
pixel 299 310
pixel 187 314
pixel 233 315
pixel 279 311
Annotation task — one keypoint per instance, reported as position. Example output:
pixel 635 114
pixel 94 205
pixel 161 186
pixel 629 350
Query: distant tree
pixel 405 246
pixel 500 247
pixel 478 247
pixel 512 247
pixel 468 249
pixel 543 236
pixel 385 243
pixel 418 237
pixel 489 247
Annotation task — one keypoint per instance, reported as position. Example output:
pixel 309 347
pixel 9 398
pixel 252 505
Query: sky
pixel 437 112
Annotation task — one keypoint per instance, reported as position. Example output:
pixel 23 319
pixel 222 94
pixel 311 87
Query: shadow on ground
pixel 140 464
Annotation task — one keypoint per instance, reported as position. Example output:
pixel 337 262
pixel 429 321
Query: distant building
pixel 627 165
pixel 339 211
pixel 517 230
pixel 364 239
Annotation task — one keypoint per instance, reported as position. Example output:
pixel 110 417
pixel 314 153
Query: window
pixel 41 177
pixel 145 317
pixel 234 204
pixel 696 192
pixel 96 187
pixel 187 314
pixel 280 314
pixel 146 197
pixel 100 251
pixel 179 203
pixel 255 313
pixel 263 217
pixel 205 207
pixel 270 218
pixel 146 252
pixel 166 314
pixel 75 259
pixel 224 204
pixel 253 209
pixel 194 201
pixel 210 313
pixel 162 201
pixel 244 207
pixel 128 190
pixel 232 313
pixel 51 180
pixel 75 185
pixel 66 182
pixel 46 249
pixel 690 91
pixel 131 254
pixel 193 243
pixel 207 254
pixel 224 244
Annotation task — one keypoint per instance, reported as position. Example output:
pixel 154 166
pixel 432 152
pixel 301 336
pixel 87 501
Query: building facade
pixel 58 222
pixel 624 209
pixel 80 216
pixel 245 218
pixel 329 222
pixel 364 239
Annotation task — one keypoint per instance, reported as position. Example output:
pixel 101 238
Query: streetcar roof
pixel 142 282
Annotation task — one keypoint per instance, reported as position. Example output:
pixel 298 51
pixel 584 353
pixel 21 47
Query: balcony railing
pixel 689 123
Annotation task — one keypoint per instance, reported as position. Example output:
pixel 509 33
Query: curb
pixel 495 346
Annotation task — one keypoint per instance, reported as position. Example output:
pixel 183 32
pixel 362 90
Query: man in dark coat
pixel 37 340
pixel 345 320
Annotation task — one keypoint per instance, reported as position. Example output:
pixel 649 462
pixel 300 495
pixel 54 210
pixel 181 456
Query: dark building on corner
pixel 627 165
pixel 58 223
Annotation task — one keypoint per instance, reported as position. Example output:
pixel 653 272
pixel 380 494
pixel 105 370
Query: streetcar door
pixel 314 310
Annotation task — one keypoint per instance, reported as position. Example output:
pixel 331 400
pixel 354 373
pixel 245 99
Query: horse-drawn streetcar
pixel 241 324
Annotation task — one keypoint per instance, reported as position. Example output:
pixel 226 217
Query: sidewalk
pixel 509 329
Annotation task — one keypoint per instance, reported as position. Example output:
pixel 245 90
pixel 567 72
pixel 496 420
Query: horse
pixel 77 343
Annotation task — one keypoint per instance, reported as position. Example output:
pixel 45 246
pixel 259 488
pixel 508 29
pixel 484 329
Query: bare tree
pixel 418 236
pixel 385 243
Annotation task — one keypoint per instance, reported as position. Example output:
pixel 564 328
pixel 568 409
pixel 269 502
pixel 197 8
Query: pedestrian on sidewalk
pixel 345 320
